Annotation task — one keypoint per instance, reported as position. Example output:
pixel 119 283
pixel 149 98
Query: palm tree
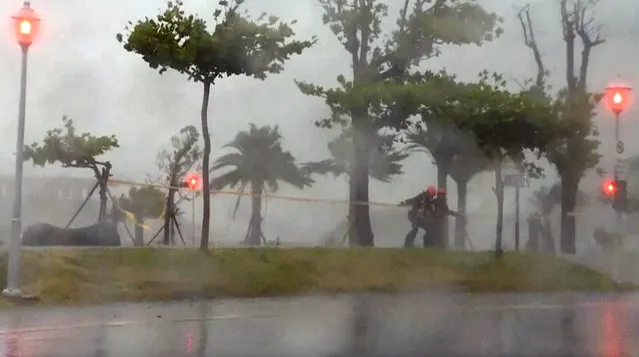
pixel 384 162
pixel 259 162
pixel 455 154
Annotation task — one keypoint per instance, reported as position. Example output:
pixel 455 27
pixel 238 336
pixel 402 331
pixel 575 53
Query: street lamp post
pixel 26 25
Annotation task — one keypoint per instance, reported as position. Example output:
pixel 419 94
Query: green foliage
pixel 62 145
pixel 575 151
pixel 432 25
pixel 384 163
pixel 503 124
pixel 146 202
pixel 237 45
pixel 420 34
pixel 259 160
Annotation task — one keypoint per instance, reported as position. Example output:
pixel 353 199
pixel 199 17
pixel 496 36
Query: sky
pixel 77 68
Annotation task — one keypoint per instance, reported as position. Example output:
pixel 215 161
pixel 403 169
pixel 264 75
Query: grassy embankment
pixel 95 276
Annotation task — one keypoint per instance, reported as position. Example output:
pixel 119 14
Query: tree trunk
pixel 499 192
pixel 534 231
pixel 569 189
pixel 173 232
pixel 206 189
pixel 460 221
pixel 103 180
pixel 352 237
pixel 255 231
pixel 138 239
pixel 442 182
pixel 170 207
pixel 548 238
pixel 359 180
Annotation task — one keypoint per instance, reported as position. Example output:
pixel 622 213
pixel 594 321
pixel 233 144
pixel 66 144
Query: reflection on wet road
pixel 436 325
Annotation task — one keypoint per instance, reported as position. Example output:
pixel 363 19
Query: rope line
pixel 282 197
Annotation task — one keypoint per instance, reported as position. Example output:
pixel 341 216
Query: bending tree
pixel 576 152
pixel 174 165
pixel 143 203
pixel 422 29
pixel 237 45
pixel 259 163
pixel 62 145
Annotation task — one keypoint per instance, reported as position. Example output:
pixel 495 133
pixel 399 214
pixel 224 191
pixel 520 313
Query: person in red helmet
pixel 420 214
pixel 441 211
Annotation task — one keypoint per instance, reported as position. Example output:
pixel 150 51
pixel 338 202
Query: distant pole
pixel 517 218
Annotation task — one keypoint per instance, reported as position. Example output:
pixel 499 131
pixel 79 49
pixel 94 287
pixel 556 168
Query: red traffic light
pixel 193 181
pixel 609 187
pixel 618 98
pixel 26 24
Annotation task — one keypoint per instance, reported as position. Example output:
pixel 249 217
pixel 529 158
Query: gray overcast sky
pixel 77 68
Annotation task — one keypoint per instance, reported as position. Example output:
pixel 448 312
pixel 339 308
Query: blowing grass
pixel 96 276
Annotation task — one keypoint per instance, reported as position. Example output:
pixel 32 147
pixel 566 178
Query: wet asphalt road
pixel 437 325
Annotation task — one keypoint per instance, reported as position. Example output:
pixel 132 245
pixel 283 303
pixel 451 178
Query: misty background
pixel 77 68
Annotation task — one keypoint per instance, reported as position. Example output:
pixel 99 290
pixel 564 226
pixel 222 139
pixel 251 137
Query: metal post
pixel 617 127
pixel 615 268
pixel 615 173
pixel 193 219
pixel 13 269
pixel 517 218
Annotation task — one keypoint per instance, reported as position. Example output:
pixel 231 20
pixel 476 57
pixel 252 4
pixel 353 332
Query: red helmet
pixel 441 191
pixel 431 190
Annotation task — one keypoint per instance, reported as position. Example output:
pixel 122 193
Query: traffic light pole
pixel 517 218
pixel 13 268
pixel 193 219
pixel 617 138
pixel 617 120
pixel 615 269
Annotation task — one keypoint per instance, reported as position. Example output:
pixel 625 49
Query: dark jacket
pixel 422 202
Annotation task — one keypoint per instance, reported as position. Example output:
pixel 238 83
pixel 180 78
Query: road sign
pixel 516 180
pixel 620 147
pixel 621 167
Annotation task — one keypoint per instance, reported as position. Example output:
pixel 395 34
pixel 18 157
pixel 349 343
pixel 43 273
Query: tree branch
pixel 590 37
pixel 531 42
pixel 568 25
